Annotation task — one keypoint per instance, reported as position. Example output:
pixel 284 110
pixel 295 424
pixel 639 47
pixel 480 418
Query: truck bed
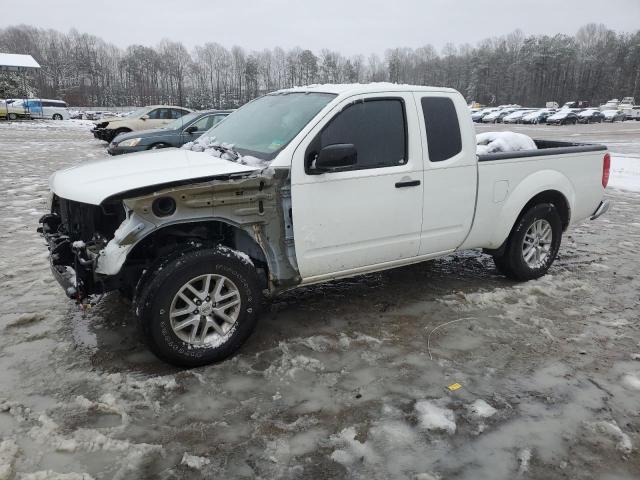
pixel 545 147
pixel 507 180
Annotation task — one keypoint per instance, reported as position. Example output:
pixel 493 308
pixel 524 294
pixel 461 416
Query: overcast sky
pixel 350 26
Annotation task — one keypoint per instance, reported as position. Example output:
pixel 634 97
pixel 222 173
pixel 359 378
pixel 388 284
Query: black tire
pixel 154 305
pixel 56 116
pixel 12 116
pixel 512 263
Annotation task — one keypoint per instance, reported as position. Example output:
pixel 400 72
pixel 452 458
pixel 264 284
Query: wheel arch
pixel 198 233
pixel 545 186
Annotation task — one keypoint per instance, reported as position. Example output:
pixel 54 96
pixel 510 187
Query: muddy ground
pixel 344 380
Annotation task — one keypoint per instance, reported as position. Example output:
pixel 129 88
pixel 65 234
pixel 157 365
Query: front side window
pixel 376 128
pixel 205 123
pixel 155 114
pixel 442 128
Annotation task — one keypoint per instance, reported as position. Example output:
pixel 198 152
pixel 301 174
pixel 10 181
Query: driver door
pixel 369 213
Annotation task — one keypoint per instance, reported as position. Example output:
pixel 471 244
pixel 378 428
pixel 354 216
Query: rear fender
pixel 534 184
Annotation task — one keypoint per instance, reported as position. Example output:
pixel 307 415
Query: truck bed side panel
pixel 506 184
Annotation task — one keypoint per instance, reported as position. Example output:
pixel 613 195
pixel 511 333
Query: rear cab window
pixel 442 128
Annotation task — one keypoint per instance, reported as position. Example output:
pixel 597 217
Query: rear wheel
pixel 200 307
pixel 12 116
pixel 533 244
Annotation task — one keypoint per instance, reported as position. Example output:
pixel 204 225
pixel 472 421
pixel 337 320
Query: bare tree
pixel 595 64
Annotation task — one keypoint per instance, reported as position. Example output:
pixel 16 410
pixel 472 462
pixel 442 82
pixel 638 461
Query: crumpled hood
pixel 94 181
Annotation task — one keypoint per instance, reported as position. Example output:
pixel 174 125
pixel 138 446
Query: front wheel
pixel 533 244
pixel 57 116
pixel 12 116
pixel 200 307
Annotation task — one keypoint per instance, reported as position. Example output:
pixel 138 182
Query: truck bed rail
pixel 545 147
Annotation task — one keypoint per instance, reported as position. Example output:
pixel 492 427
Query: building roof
pixel 14 62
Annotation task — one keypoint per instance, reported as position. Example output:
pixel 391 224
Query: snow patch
pixel 612 431
pixel 195 462
pixel 224 151
pixel 625 173
pixel 434 417
pixel 631 381
pixel 352 450
pixel 8 453
pixel 495 142
pixel 51 475
pixel 524 458
pixel 229 252
pixel 481 409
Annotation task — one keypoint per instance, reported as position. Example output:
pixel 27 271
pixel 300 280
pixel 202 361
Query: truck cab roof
pixel 347 89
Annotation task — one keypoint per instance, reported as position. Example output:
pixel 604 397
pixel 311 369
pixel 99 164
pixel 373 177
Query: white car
pixel 614 116
pixel 494 117
pixel 516 116
pixel 303 186
pixel 43 108
pixel 145 118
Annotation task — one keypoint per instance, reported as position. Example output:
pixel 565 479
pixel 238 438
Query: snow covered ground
pixel 625 173
pixel 354 379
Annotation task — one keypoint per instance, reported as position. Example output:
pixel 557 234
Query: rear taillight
pixel 606 166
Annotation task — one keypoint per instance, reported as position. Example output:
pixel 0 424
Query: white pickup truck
pixel 302 186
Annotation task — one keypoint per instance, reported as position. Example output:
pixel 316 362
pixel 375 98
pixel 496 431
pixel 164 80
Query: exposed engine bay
pixel 98 248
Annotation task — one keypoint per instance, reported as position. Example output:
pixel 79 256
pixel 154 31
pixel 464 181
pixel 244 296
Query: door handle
pixel 409 183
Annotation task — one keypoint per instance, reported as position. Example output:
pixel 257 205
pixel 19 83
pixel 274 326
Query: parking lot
pixel 343 380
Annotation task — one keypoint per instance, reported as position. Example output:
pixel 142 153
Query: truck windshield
pixel 266 125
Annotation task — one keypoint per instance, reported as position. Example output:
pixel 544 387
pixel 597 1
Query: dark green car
pixel 182 130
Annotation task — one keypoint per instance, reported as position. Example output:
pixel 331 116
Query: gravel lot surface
pixel 344 380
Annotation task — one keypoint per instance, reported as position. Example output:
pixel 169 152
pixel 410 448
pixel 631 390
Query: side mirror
pixel 333 157
pixel 191 129
pixel 144 117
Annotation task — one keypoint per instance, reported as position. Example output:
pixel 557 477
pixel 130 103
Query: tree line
pixel 595 64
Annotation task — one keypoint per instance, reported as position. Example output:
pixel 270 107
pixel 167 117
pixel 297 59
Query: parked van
pixel 44 108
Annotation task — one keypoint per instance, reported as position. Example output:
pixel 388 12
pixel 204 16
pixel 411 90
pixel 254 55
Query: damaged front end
pixel 101 132
pixel 98 248
pixel 75 233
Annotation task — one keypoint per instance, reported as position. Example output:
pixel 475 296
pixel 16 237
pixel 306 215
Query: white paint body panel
pixel 577 176
pixel 449 186
pixel 347 220
pixel 94 181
